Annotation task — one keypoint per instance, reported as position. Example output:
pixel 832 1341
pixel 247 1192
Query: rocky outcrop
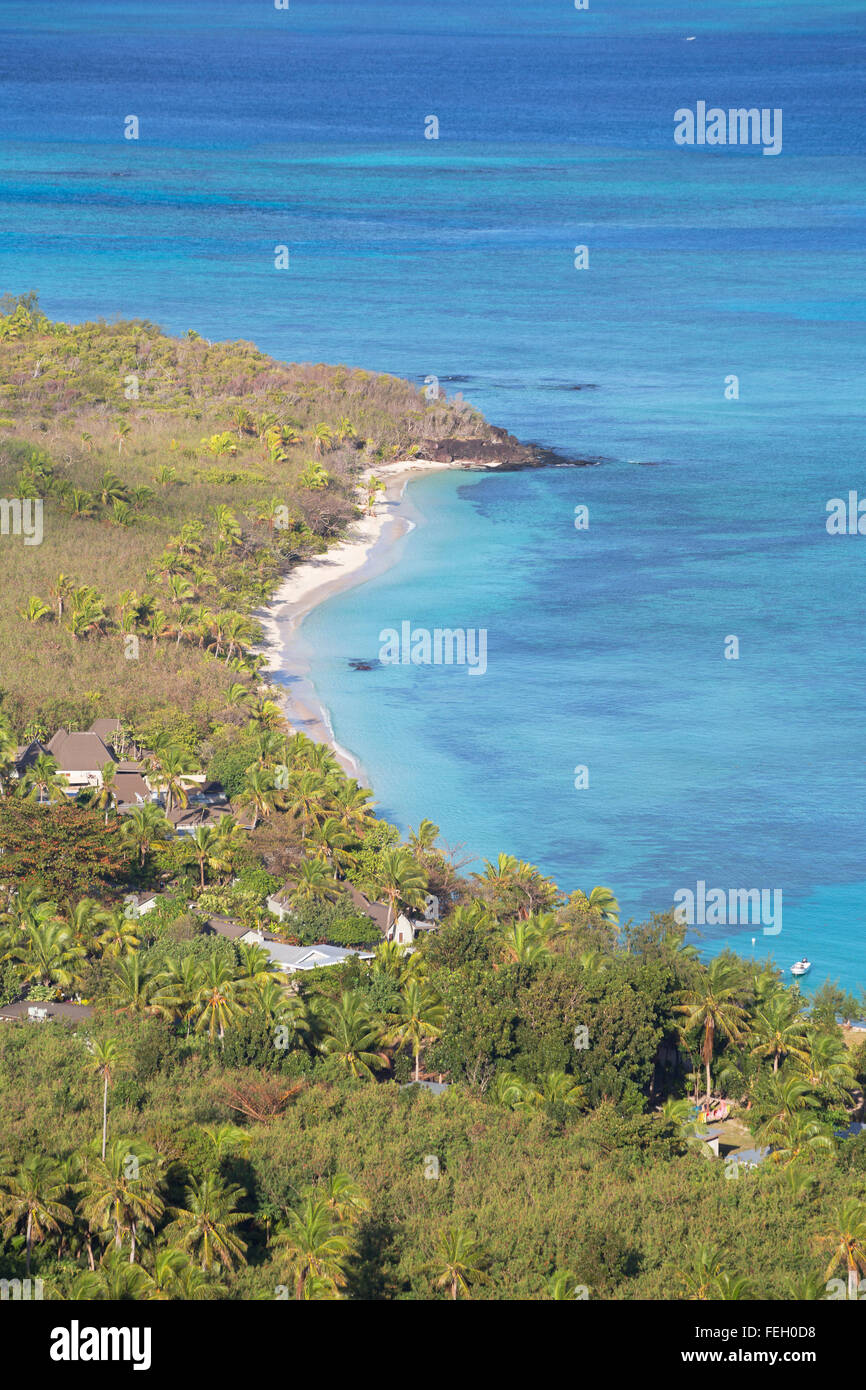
pixel 498 450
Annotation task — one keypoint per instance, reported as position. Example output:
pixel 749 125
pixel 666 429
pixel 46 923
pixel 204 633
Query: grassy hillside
pixel 135 441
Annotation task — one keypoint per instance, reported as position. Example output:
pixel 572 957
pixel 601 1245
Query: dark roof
pixel 377 912
pixel 21 1010
pixel 226 926
pixel 80 752
pixel 130 788
pixel 105 728
pixel 27 754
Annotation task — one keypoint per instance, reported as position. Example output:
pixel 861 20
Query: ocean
pixel 710 356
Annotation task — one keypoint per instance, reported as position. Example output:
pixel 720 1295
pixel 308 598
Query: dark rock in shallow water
pixel 358 665
pixel 501 452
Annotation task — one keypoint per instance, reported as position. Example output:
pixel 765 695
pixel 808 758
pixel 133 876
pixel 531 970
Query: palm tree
pixel 104 796
pixel 778 1027
pixel 115 1281
pixel 227 525
pixel 87 612
pixel 796 1136
pixel 108 1056
pixel 323 438
pixel 35 610
pixel 525 941
pixel 132 986
pixel 43 780
pixel 119 936
pixel 460 1262
pixel 564 1286
pixel 314 477
pixel 205 843
pixel 31 1195
pixel 110 488
pixel 423 840
pixel 700 1280
pixel 208 1222
pixel 419 1016
pixel 400 880
pixel 353 806
pixel 305 795
pixel 259 792
pixel 345 1198
pixel 177 989
pixel 144 826
pixel 712 1007
pixel 46 955
pixel 372 487
pixel 313 882
pixel 218 1001
pixel 83 920
pixel 827 1064
pixel 121 1192
pixel 847 1233
pixel 121 432
pixel 353 1036
pixel 169 773
pixel 315 1247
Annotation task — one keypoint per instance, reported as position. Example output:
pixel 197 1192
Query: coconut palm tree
pixel 205 843
pixel 778 1027
pixel 46 954
pixel 208 1223
pixel 169 772
pixel 114 1281
pixel 177 989
pixel 417 1019
pixel 797 1136
pixel 43 780
pixel 108 1057
pixel 460 1262
pixel 315 1247
pixel 712 1007
pixel 312 882
pixel 258 793
pixel 400 880
pixel 122 1192
pixel 219 998
pixel 526 941
pixel 87 612
pixel 104 796
pixel 305 795
pixel 847 1234
pixel 31 1196
pixel 146 825
pixel 121 432
pixel 353 1036
pixel 352 805
pixel 132 986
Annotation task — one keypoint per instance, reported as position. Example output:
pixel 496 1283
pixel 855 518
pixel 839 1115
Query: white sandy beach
pixel 311 582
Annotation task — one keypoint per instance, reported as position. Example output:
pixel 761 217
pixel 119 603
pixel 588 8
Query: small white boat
pixel 801 967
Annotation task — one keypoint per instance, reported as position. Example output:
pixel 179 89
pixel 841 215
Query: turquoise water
pixel 455 258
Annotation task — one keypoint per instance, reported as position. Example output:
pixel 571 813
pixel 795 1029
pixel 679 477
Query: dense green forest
pixel 218 1129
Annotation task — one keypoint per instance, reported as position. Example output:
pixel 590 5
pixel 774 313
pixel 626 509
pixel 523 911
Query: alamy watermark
pixel 442 647
pixel 737 126
pixel 22 516
pixel 731 907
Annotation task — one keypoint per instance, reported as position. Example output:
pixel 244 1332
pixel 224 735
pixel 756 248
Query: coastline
pixel 367 550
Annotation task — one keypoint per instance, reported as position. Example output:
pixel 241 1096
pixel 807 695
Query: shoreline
pixel 366 551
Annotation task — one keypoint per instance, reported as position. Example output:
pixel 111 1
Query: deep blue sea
pixel 455 258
